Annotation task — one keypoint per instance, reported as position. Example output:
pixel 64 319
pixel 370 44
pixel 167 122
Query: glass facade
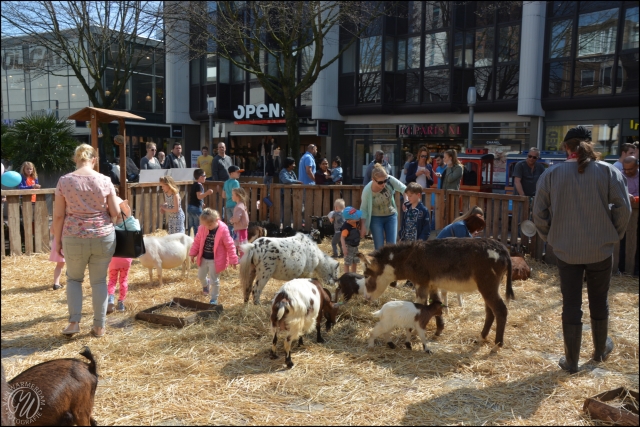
pixel 592 49
pixel 60 91
pixel 432 52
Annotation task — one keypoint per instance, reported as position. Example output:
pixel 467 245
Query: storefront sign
pixel 429 130
pixel 323 128
pixel 176 131
pixel 630 127
pixel 260 111
pixel 194 158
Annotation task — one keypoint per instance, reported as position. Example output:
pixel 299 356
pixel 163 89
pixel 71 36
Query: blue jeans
pixel 193 219
pixel 384 229
pixel 95 253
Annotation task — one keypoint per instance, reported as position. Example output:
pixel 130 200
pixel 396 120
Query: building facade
pixel 538 69
pixel 60 92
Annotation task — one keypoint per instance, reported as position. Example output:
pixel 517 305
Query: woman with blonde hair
pixel 378 206
pixel 149 161
pixel 452 174
pixel 84 204
pixel 172 206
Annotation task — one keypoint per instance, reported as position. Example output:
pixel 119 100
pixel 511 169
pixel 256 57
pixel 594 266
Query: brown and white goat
pixel 296 307
pixel 350 284
pixel 454 265
pixel 404 314
pixel 67 385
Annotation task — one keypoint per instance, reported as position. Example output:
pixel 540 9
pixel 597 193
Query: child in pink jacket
pixel 214 249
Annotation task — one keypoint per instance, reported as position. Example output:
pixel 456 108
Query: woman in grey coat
pixel 582 210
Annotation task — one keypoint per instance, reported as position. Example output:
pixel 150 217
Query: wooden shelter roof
pixel 103 115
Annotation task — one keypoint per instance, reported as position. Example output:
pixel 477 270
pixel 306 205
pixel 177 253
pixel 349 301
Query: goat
pixel 350 284
pixel 168 251
pixel 255 231
pixel 520 268
pixel 295 308
pixel 68 385
pixel 283 259
pixel 455 265
pixel 404 314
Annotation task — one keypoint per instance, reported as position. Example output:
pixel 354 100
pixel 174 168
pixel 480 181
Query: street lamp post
pixel 471 102
pixel 211 109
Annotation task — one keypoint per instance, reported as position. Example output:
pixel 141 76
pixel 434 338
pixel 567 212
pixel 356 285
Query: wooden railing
pixel 499 217
pixel 503 213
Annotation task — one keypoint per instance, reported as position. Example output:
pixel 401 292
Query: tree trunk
pixel 293 131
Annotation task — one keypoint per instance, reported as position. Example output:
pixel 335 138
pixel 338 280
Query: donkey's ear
pixel 367 259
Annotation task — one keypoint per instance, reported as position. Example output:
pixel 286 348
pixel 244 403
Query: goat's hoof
pixel 496 348
pixel 426 350
pixel 289 364
pixel 272 355
pixel 407 345
pixel 438 332
pixel 391 345
pixel 321 341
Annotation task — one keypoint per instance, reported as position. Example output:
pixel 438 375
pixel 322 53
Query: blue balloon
pixel 11 179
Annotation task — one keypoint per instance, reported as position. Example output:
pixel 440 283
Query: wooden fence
pixel 291 205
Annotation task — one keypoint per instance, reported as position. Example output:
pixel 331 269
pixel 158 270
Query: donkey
pixel 455 265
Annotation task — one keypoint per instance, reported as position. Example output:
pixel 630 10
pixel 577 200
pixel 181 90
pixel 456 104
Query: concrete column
pixel 177 74
pixel 531 58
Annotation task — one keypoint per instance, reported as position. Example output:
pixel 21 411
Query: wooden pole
pixel 123 160
pixel 94 136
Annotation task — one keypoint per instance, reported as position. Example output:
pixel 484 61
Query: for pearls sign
pixel 259 114
pixel 24 403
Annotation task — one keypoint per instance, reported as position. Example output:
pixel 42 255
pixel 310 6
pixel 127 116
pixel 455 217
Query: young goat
pixel 69 387
pixel 404 314
pixel 296 307
pixel 350 284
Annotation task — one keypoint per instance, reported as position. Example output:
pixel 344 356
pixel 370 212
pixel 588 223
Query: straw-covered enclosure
pixel 218 371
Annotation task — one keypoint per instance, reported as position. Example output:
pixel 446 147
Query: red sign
pixel 260 122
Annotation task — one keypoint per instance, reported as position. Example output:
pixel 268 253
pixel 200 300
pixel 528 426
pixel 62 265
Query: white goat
pixel 404 314
pixel 168 251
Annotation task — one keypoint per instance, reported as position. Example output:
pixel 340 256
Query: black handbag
pixel 129 243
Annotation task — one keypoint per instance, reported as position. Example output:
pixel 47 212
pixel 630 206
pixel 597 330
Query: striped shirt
pixel 581 215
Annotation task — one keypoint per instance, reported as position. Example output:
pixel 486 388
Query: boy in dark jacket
pixel 415 220
pixel 350 238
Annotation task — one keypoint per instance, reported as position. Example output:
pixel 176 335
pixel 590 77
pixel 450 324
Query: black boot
pixel 602 344
pixel 572 341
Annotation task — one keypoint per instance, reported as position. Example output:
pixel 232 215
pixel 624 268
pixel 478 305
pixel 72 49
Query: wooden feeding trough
pixel 200 310
pixel 625 414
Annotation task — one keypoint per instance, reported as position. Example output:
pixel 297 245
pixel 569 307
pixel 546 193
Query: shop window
pixel 59 90
pixel 630 35
pixel 159 107
pixel 370 54
pixel 509 44
pixel 463 50
pixel 507 82
pixel 597 32
pixel 436 49
pixel 346 90
pixel 142 89
pixel 560 39
pixel 436 86
pixel 628 73
pixel 484 47
pixel 369 88
pixel 559 79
